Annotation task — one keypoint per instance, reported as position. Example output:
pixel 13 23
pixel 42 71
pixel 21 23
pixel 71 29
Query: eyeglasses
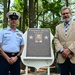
pixel 65 13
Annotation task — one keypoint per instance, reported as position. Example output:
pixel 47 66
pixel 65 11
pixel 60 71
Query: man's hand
pixel 70 56
pixel 67 53
pixel 13 59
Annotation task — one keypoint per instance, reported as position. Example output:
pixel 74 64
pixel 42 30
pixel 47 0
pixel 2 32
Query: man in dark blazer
pixel 65 43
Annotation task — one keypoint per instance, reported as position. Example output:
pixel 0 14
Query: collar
pixel 67 23
pixel 15 30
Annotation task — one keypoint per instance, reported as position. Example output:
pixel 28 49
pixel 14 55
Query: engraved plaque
pixel 38 42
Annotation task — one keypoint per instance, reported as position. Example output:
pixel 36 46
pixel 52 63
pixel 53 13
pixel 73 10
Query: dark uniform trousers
pixel 5 67
pixel 67 68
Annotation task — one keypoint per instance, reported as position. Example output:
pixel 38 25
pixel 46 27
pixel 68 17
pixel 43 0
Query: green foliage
pixel 51 24
pixel 53 11
pixel 54 7
pixel 18 5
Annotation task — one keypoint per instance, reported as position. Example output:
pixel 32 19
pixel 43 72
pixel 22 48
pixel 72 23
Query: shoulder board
pixel 4 28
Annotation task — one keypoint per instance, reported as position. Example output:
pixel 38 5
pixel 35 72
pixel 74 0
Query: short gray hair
pixel 64 8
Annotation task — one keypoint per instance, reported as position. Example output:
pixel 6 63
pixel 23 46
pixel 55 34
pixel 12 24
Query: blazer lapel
pixel 62 30
pixel 70 28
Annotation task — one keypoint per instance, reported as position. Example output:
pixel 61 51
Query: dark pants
pixel 5 67
pixel 67 68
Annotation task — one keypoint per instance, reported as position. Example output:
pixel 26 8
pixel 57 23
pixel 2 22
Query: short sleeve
pixel 22 41
pixel 1 36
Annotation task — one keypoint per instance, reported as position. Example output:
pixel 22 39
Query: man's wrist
pixel 18 56
pixel 61 50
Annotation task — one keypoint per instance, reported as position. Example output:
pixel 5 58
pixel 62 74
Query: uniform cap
pixel 13 15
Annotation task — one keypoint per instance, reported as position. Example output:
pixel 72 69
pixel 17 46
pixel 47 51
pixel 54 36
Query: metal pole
pixel 48 70
pixel 26 70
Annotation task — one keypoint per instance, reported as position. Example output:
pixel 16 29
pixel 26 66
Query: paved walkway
pixel 42 73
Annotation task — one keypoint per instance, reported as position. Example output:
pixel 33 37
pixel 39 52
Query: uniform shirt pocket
pixel 18 39
pixel 7 37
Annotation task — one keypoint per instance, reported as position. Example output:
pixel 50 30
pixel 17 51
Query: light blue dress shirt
pixel 11 40
pixel 65 31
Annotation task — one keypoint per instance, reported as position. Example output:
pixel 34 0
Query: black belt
pixel 12 53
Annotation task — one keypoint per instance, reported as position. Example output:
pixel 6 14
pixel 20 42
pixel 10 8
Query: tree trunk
pixel 8 5
pixel 24 16
pixel 67 3
pixel 5 12
pixel 37 13
pixel 31 14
